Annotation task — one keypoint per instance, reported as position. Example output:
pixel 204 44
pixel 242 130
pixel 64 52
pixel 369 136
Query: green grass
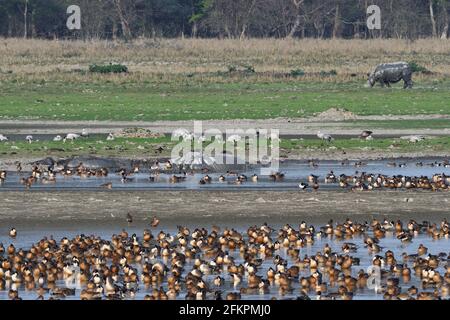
pixel 146 147
pixel 190 100
pixel 436 144
pixel 126 147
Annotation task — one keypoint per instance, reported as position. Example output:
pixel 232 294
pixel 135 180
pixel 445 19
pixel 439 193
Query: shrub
pixel 109 68
pixel 328 73
pixel 297 73
pixel 415 67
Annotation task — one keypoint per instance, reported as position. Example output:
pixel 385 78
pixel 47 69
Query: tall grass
pixel 166 58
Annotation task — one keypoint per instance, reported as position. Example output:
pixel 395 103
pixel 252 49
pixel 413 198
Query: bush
pixel 297 73
pixel 232 68
pixel 415 67
pixel 328 73
pixel 249 69
pixel 110 68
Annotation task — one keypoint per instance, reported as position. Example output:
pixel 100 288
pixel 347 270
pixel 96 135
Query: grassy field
pixel 126 147
pixel 185 79
pixel 149 101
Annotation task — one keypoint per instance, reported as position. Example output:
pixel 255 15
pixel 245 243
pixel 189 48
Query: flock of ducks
pixel 363 181
pixel 227 264
pixel 359 181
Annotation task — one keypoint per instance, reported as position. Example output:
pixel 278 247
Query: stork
pixel 324 136
pixel 29 138
pixel 71 137
pixel 3 138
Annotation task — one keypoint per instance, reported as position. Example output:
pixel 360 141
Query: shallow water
pixel 295 172
pixel 31 234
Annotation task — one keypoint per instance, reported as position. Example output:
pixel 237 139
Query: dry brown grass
pixel 147 58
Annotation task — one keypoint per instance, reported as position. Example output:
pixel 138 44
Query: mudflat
pixel 221 206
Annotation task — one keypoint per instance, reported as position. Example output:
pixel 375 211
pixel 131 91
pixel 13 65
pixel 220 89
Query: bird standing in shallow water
pixel 107 185
pixel 154 223
pixel 129 218
pixel 13 233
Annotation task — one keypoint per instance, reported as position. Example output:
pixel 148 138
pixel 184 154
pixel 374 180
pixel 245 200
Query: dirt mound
pixel 137 133
pixel 335 114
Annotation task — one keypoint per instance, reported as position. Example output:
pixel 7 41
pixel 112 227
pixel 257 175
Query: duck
pixel 13 233
pixel 129 218
pixel 366 134
pixel 303 186
pixel 154 222
pixel 107 185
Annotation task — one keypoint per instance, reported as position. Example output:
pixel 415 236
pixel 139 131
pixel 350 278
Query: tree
pixel 433 20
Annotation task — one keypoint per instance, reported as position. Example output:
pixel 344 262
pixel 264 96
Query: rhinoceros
pixel 388 73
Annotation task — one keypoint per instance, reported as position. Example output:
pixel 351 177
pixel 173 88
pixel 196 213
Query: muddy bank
pixel 219 206
pixel 299 126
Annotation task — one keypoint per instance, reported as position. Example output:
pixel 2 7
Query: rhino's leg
pixel 408 84
pixel 382 83
pixel 407 78
pixel 388 84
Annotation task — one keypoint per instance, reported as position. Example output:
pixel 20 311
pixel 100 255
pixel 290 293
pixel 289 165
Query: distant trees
pixel 130 19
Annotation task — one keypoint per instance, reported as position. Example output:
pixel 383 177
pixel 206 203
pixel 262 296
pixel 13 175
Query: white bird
pixel 57 138
pixel 110 137
pixel 303 186
pixel 324 136
pixel 84 133
pixel 234 138
pixel 188 137
pixel 415 139
pixel 29 138
pixel 366 134
pixel 3 138
pixel 274 136
pixel 180 133
pixel 72 136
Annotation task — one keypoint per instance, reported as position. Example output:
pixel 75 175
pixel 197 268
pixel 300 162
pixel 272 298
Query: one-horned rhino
pixel 388 73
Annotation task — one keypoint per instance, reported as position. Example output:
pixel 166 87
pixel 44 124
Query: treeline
pixel 112 19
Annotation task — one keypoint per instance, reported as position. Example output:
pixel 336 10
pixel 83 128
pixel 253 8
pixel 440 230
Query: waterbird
pixel 71 136
pixel 84 133
pixel 13 233
pixel 303 186
pixel 155 222
pixel 29 138
pixel 129 218
pixel 366 134
pixel 324 136
pixel 107 185
pixel 3 138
